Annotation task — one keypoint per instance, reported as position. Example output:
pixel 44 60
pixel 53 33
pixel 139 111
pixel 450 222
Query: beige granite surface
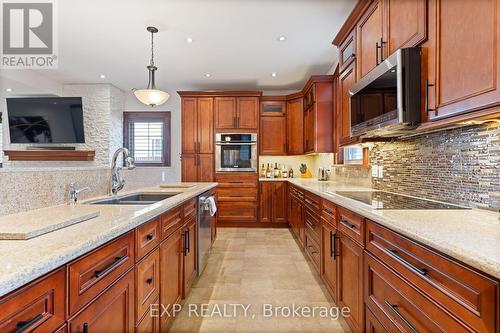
pixel 22 261
pixel 471 236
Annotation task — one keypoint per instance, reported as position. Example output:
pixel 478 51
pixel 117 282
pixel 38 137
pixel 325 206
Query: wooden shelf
pixel 50 155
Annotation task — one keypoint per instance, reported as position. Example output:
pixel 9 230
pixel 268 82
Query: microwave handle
pixel 427 85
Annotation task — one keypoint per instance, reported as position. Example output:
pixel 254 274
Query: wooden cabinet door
pixel 351 280
pixel 189 125
pixel 205 124
pixel 369 35
pixel 301 226
pixel 112 311
pixel 237 211
pixel 225 112
pixel 189 168
pixel 346 80
pixel 147 283
pixel 309 130
pixel 279 202
pixel 406 24
pixel 205 168
pixel 248 113
pixel 372 323
pixel 463 61
pixel 295 127
pixel 273 136
pixel 171 252
pixel 189 256
pixel 266 190
pixel 329 254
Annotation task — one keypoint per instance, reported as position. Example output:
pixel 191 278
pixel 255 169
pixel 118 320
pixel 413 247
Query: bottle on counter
pixel 268 171
pixel 290 173
pixel 276 171
pixel 263 171
pixel 284 172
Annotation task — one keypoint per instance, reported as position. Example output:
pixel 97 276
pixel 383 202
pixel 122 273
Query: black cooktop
pixel 387 200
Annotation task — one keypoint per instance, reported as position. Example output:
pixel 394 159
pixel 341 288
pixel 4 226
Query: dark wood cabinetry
pixel 329 250
pixel 295 126
pixel 273 135
pixel 236 113
pixel 40 305
pixel 197 139
pixel 112 311
pixel 147 280
pixel 345 81
pixel 350 290
pixel 459 81
pixel 237 199
pixel 369 38
pixel 273 201
pixel 189 255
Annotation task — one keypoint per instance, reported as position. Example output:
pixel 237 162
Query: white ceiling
pixel 234 40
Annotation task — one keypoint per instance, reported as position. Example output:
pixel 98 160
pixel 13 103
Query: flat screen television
pixel 45 120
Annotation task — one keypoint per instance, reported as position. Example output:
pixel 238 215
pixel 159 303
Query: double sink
pixel 134 199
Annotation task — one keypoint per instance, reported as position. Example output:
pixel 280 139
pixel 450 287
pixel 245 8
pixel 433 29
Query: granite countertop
pixel 22 261
pixel 471 236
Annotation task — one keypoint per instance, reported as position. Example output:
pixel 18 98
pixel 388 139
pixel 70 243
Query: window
pixel 147 136
pixel 355 155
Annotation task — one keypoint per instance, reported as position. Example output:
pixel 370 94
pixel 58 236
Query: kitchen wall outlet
pixel 374 171
pixel 380 171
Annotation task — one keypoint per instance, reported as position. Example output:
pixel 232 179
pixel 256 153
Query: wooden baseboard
pixel 251 225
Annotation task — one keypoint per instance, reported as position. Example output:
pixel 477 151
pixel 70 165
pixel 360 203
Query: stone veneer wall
pixel 460 166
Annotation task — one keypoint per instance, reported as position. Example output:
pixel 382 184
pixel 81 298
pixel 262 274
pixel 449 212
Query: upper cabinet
pixel 369 39
pixel 405 24
pixel 346 79
pixel 295 126
pixel 272 108
pixel 273 138
pixel 318 114
pixel 236 113
pixel 463 61
pixel 197 125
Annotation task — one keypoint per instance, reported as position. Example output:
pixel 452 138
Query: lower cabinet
pixel 372 325
pixel 296 214
pixel 329 258
pixel 171 262
pixel 351 281
pixel 273 201
pixel 189 256
pixel 237 194
pixel 112 311
pixel 147 280
pixel 149 324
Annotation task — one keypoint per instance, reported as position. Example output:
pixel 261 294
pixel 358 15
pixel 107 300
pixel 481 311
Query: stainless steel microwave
pixel 236 152
pixel 386 102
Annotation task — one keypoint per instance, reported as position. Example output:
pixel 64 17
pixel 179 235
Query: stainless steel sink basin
pixel 134 199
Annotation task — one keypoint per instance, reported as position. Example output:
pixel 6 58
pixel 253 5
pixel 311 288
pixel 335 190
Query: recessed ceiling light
pixel 8 89
pixel 273 74
pixel 281 38
pixel 189 40
pixel 102 76
pixel 208 75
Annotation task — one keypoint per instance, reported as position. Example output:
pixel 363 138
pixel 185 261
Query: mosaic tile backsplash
pixel 459 166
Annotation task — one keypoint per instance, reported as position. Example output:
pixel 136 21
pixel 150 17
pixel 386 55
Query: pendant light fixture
pixel 151 96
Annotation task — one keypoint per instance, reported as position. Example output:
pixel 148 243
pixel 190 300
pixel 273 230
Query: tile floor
pixel 255 267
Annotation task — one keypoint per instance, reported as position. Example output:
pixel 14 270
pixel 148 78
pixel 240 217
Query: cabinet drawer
pixel 190 209
pixel 94 272
pixel 37 307
pixel 147 237
pixel 313 226
pixel 329 212
pixel 171 221
pixel 237 211
pixel 237 179
pixel 112 311
pixel 352 225
pixel 312 202
pixel 313 249
pixel 147 279
pixel 397 304
pixel 237 194
pixel 299 194
pixel 470 296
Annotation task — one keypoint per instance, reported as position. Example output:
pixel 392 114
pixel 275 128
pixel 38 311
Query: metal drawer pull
pixel 394 309
pixel 346 222
pixel 115 263
pixel 332 240
pixel 149 280
pixel 422 271
pixel 85 328
pixel 149 237
pixel 328 211
pixel 24 325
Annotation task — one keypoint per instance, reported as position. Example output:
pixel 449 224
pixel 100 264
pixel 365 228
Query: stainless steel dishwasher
pixel 204 239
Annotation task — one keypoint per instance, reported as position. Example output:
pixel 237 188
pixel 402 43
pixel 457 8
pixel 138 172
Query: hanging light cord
pixel 152 50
